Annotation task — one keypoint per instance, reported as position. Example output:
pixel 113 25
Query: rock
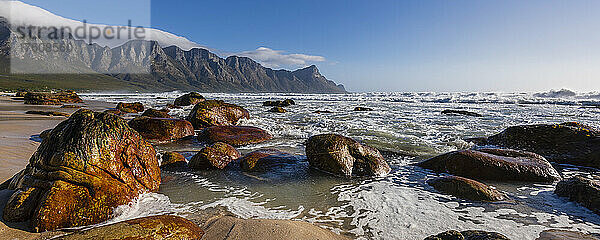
pixel 216 113
pixel 172 161
pixel 88 165
pixel 461 112
pixel 162 129
pixel 114 112
pixel 164 113
pixel 555 234
pixel 48 98
pixel 189 99
pixel 48 113
pixel 234 135
pixel 362 109
pixel 344 156
pixel 570 143
pixel 494 164
pixel 21 94
pixel 215 156
pixel 135 107
pixel 265 159
pixel 284 103
pixel 466 189
pixel 153 227
pixel 467 235
pixel 277 110
pixel 581 190
pixel 232 228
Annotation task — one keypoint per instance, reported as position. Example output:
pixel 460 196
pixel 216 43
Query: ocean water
pixel 407 128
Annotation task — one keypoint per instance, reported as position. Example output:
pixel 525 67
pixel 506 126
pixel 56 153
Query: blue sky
pixel 386 45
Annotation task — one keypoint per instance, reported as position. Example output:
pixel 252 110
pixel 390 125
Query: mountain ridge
pixel 154 68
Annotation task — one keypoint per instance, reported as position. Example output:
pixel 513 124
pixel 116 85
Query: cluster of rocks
pixel 95 161
pixel 522 154
pixel 278 106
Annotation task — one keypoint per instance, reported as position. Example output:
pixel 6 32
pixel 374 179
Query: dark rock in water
pixel 284 103
pixel 130 107
pixel 216 156
pixel 48 113
pixel 277 110
pixel 556 234
pixel 581 190
pixel 216 113
pixel 265 159
pixel 494 164
pixel 164 113
pixel 467 235
pixel 362 109
pixel 234 135
pixel 162 129
pixel 322 111
pixel 466 189
pixel 47 98
pixel 21 94
pixel 189 99
pixel 173 160
pixel 570 143
pixel 344 156
pixel 153 227
pixel 88 165
pixel 228 227
pixel 288 102
pixel 114 112
pixel 461 112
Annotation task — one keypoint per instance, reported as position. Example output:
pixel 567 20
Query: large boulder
pixel 467 235
pixel 466 189
pixel 155 113
pixel 49 98
pixel 216 156
pixel 135 107
pixel 189 99
pixel 461 112
pixel 266 159
pixel 570 143
pixel 162 129
pixel 234 135
pixel 173 161
pixel 88 165
pixel 232 228
pixel 556 234
pixel 216 113
pixel 494 164
pixel 344 156
pixel 581 190
pixel 153 227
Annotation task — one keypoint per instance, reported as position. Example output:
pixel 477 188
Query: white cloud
pixel 277 58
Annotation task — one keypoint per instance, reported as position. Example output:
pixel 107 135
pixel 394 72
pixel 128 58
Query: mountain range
pixel 143 65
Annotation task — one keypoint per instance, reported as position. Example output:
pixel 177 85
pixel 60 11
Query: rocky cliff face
pixel 153 68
